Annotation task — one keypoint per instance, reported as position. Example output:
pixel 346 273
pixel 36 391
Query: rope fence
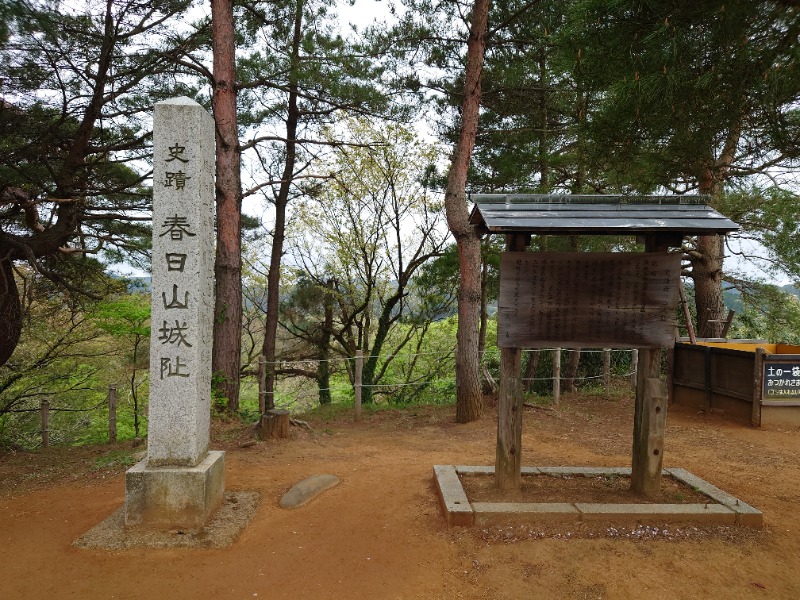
pixel 545 372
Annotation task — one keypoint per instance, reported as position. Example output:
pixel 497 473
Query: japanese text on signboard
pixel 587 299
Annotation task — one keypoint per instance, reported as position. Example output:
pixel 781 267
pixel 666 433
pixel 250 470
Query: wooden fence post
pixel 758 387
pixel 607 368
pixel 634 365
pixel 556 375
pixel 45 408
pixel 357 386
pixel 112 413
pixel 262 385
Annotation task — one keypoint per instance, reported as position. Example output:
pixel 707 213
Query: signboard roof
pixel 597 214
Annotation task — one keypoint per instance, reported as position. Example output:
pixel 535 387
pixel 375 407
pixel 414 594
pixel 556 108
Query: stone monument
pixel 180 483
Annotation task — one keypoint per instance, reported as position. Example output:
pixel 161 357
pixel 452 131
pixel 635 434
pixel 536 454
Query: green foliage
pixel 772 216
pixel 769 313
pixel 684 83
pixel 72 348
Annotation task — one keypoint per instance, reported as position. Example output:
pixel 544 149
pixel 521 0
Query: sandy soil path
pixel 379 534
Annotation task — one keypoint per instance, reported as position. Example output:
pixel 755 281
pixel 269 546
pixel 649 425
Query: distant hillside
pixel 139 284
pixel 733 297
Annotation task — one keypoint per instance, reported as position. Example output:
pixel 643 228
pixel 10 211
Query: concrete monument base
pixel 165 497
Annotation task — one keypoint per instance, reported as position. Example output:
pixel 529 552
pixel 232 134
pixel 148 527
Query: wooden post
pixel 112 413
pixel 758 387
pixel 262 385
pixel 45 408
pixel 556 375
pixel 634 365
pixel 607 368
pixel 508 461
pixel 707 357
pixel 648 437
pixel 686 314
pixel 650 412
pixel 274 424
pixel 357 386
pixel 670 375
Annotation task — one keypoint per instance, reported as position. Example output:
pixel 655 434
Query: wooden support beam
pixel 649 423
pixel 686 314
pixel 508 461
pixel 758 387
pixel 650 412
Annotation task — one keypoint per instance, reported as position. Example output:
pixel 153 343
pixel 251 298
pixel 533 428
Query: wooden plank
pixel 758 374
pixel 688 384
pixel 588 300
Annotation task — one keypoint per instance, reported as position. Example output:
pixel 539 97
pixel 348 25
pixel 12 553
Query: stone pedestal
pixel 165 497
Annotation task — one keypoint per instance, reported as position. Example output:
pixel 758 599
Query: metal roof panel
pixel 610 215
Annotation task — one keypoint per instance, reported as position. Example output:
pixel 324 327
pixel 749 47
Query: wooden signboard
pixel 587 300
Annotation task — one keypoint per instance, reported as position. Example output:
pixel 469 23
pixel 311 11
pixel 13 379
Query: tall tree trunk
pixel 707 276
pixel 281 200
pixel 528 378
pixel 11 323
pixel 226 351
pixel 469 401
pixel 484 296
pixel 544 155
pixel 324 369
pixel 709 252
pixel 490 385
pixel 571 372
pixel 707 259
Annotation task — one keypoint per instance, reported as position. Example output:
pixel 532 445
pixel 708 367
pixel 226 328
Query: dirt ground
pixel 379 533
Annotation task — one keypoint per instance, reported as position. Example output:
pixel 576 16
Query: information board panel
pixel 781 380
pixel 584 300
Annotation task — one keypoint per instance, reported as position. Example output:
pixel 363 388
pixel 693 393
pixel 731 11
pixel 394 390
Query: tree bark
pixel 528 379
pixel 469 401
pixel 707 277
pixel 324 368
pixel 226 350
pixel 11 323
pixel 281 201
pixel 709 253
pixel 571 372
pixel 490 385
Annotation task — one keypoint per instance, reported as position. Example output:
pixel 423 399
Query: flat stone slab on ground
pixel 236 511
pixel 306 490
